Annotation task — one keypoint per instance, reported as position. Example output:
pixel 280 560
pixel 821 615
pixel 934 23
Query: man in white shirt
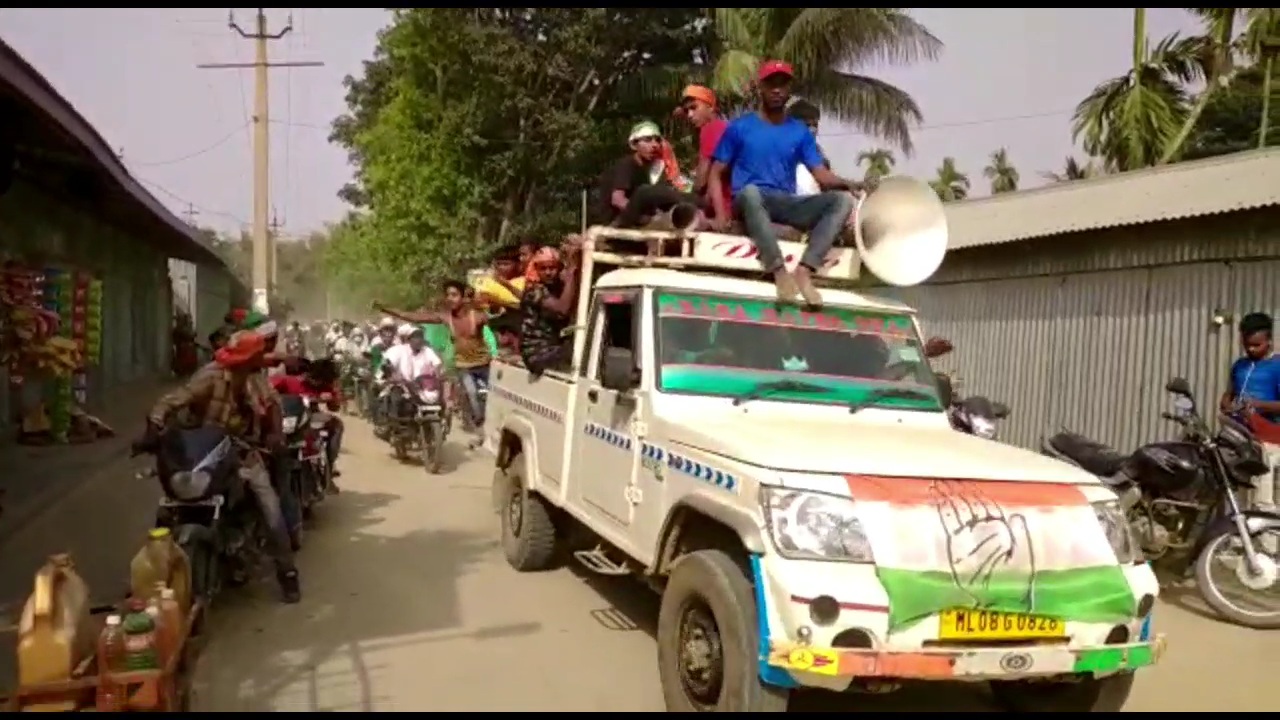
pixel 412 357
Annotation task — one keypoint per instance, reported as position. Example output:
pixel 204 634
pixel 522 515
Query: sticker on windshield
pixel 908 354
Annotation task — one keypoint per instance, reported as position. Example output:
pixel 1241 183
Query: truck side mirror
pixel 618 370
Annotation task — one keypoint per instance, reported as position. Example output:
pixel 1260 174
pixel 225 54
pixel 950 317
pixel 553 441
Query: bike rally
pixel 709 391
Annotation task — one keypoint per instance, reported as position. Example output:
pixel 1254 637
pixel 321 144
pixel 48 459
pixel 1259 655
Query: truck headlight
pixel 814 526
pixel 1119 535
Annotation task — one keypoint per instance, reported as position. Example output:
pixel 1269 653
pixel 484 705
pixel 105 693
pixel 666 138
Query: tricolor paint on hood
pixel 1018 547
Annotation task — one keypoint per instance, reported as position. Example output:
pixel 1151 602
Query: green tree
pixel 825 46
pixel 475 125
pixel 1230 121
pixel 1073 169
pixel 950 184
pixel 1129 121
pixel 879 163
pixel 1002 174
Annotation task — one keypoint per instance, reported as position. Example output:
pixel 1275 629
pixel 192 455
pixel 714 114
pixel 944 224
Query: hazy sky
pixel 1008 77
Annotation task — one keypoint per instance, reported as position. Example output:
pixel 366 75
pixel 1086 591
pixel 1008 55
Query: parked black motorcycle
pixel 306 431
pixel 419 420
pixel 207 506
pixel 975 415
pixel 1180 500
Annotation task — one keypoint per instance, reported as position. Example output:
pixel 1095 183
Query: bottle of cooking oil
pixel 161 563
pixel 54 633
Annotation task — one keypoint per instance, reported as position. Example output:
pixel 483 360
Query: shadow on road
pixel 361 590
pixel 631 607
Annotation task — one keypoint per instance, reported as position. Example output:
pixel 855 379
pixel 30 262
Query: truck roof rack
pixel 718 253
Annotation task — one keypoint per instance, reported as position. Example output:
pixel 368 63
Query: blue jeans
pixel 473 380
pixel 822 216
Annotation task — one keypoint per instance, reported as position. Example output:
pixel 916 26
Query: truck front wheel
pixel 708 640
pixel 529 537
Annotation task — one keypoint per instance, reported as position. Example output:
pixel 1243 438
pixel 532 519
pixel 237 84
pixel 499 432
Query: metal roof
pixel 30 84
pixel 1241 181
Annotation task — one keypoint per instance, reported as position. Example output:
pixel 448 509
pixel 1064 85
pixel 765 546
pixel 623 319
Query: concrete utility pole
pixel 191 212
pixel 275 249
pixel 263 245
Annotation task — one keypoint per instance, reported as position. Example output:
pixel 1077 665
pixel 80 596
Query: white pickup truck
pixel 789 482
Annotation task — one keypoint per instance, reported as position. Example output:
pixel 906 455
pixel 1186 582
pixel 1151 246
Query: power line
pixel 189 156
pixel 189 204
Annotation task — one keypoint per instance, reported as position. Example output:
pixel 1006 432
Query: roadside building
pixel 1075 303
pixel 70 207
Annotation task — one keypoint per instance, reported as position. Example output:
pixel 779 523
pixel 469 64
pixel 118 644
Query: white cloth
pixel 409 365
pixel 805 184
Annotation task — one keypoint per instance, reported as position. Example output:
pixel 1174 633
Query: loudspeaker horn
pixel 901 231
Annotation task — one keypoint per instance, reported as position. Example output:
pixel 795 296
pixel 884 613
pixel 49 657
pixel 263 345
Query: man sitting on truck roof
pixel 643 183
pixel 763 149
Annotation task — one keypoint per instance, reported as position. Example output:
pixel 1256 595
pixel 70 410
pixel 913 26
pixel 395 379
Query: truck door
pixel 607 458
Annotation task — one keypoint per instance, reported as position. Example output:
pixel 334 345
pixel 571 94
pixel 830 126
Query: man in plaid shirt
pixel 232 393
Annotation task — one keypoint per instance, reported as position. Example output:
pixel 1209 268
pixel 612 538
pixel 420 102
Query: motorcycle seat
pixel 1093 456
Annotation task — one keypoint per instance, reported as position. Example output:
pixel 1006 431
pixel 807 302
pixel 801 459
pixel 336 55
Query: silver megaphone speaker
pixel 901 231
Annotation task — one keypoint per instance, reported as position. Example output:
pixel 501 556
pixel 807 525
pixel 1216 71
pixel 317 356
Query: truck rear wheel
pixel 529 537
pixel 1104 694
pixel 708 640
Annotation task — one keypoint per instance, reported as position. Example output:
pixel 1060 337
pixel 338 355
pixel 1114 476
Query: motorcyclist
pixel 230 394
pixel 317 380
pixel 294 339
pixel 383 341
pixel 408 361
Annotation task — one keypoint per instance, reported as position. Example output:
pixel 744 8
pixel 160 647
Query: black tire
pixel 529 535
pixel 205 570
pixel 711 580
pixel 1214 597
pixel 1105 694
pixel 432 447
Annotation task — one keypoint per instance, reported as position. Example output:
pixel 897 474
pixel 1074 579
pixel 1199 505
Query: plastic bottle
pixel 141 653
pixel 111 695
pixel 54 633
pixel 161 561
pixel 164 611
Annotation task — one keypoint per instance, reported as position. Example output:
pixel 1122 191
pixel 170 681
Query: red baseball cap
pixel 775 67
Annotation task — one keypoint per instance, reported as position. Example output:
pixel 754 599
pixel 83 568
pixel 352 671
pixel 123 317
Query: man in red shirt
pixel 317 380
pixel 698 105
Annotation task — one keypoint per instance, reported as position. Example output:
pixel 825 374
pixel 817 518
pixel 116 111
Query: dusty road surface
pixel 409 606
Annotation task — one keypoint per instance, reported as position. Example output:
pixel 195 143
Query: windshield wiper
pixel 767 388
pixel 889 394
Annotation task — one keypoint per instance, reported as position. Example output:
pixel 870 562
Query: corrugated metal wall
pixel 1082 332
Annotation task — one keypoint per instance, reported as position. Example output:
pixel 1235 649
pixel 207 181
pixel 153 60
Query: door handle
pixel 593 395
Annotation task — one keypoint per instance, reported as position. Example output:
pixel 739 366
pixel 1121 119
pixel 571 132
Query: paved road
pixel 409 606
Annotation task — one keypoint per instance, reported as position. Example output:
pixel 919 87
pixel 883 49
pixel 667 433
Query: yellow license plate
pixel 991 625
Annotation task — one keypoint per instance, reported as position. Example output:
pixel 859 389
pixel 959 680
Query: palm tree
pixel 1216 56
pixel 879 162
pixel 1002 174
pixel 951 184
pixel 825 45
pixel 1130 120
pixel 1261 42
pixel 1073 169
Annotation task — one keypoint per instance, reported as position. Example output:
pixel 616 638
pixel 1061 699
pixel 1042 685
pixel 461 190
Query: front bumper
pixel 810 665
pixel 796 650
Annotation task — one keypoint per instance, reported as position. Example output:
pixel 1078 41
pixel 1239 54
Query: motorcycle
pixel 977 415
pixel 207 506
pixel 419 420
pixel 1180 500
pixel 974 415
pixel 305 427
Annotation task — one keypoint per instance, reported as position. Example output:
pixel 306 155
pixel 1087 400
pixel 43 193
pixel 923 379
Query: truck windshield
pixel 728 346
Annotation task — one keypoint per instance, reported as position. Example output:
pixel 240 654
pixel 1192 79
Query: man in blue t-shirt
pixel 1255 388
pixel 762 150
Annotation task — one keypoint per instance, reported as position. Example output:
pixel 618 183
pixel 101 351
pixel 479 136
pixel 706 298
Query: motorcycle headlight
pixel 982 427
pixel 289 425
pixel 814 526
pixel 1119 535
